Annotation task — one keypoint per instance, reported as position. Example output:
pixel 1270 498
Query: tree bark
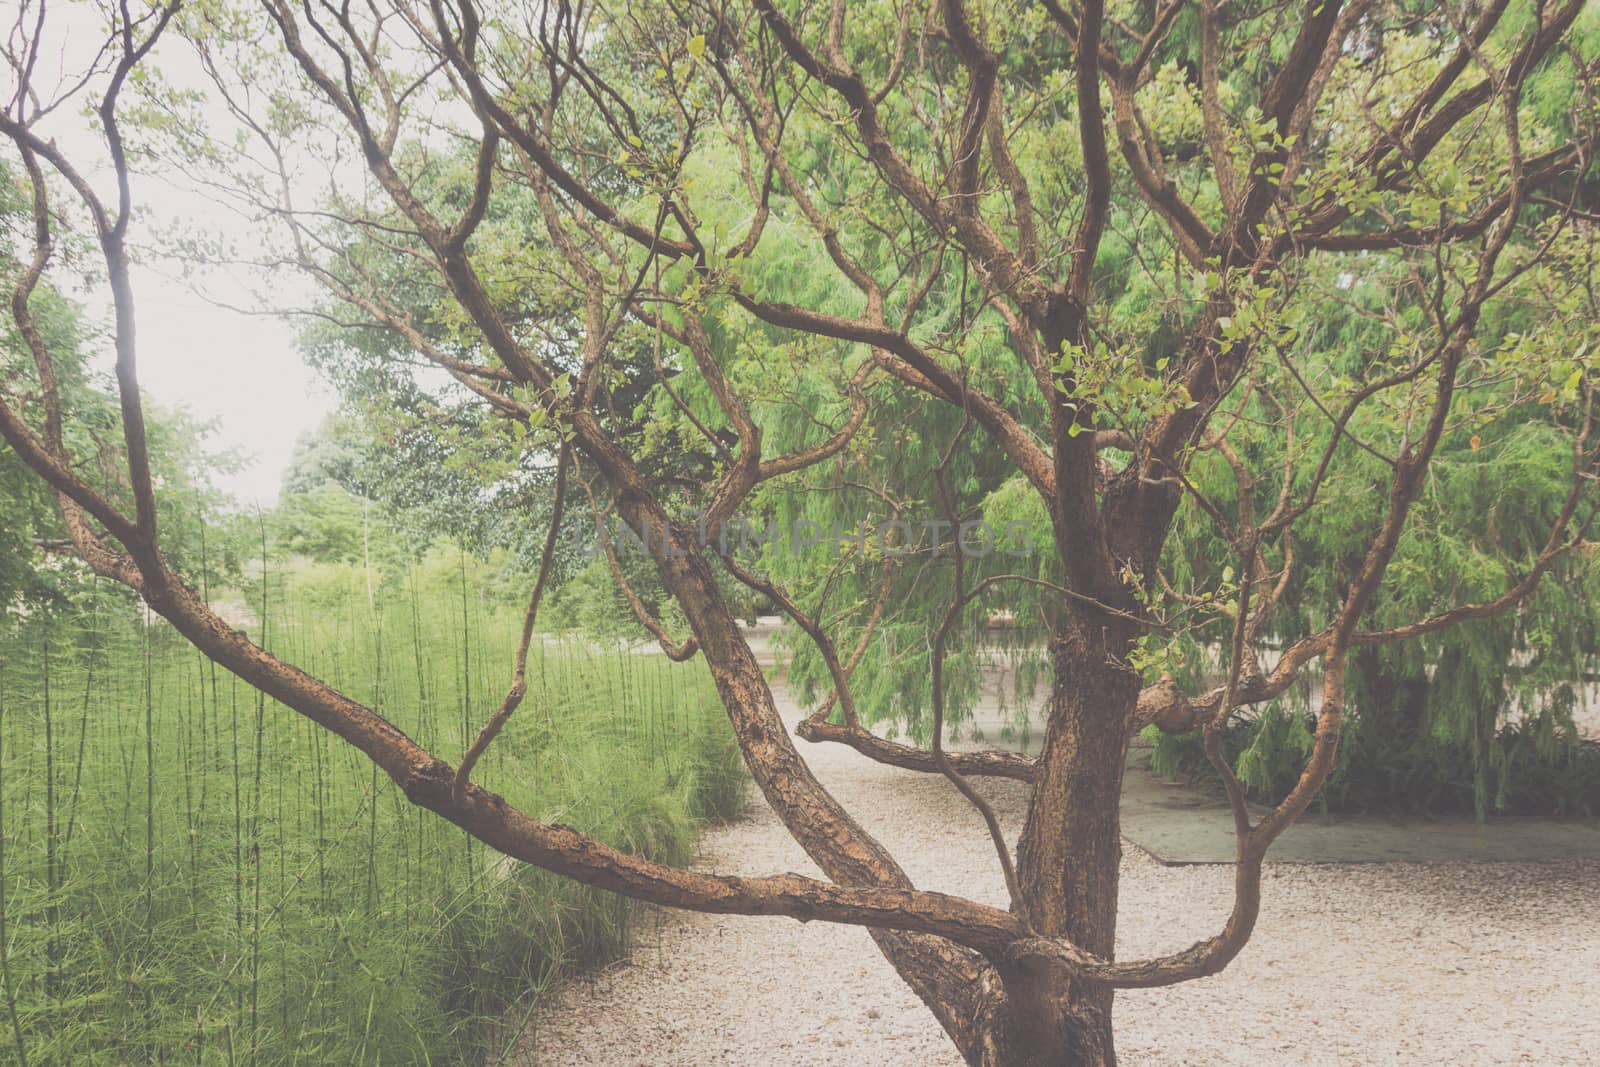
pixel 1039 1024
pixel 949 978
pixel 998 1012
pixel 1070 853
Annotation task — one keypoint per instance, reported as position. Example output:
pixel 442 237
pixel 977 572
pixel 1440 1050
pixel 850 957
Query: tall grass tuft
pixel 191 873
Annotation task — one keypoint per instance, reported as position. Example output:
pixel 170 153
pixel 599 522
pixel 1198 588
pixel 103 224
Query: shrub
pixel 1538 768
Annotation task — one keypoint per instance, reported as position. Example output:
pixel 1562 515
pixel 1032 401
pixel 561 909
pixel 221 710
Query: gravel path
pixel 1446 963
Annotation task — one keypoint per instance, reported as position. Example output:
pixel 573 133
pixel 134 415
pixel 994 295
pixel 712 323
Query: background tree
pixel 1090 244
pixel 1475 717
pixel 38 570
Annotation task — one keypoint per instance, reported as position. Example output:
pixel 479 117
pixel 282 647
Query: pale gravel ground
pixel 1395 964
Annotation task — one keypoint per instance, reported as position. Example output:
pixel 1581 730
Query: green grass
pixel 192 874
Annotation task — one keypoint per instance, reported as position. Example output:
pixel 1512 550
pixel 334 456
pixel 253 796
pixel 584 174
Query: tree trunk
pixel 1041 1024
pixel 1393 701
pixel 1071 848
pixel 946 976
pixel 1067 860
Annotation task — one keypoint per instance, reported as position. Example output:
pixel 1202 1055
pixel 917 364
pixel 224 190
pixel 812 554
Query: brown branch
pixel 960 598
pixel 519 662
pixel 676 651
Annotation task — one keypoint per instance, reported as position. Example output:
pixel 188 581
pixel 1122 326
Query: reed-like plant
pixel 190 875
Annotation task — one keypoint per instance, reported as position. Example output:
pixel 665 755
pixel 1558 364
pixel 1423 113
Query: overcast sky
pixel 239 369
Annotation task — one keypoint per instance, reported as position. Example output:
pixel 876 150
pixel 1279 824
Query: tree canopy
pixel 1221 345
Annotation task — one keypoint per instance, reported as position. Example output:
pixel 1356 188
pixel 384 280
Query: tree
pixel 1477 716
pixel 182 457
pixel 1082 250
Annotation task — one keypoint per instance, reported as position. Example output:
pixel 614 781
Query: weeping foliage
pixel 1478 717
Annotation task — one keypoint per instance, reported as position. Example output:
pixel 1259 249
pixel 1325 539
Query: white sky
pixel 240 369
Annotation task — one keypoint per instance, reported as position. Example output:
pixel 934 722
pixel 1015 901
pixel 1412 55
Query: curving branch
pixel 519 662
